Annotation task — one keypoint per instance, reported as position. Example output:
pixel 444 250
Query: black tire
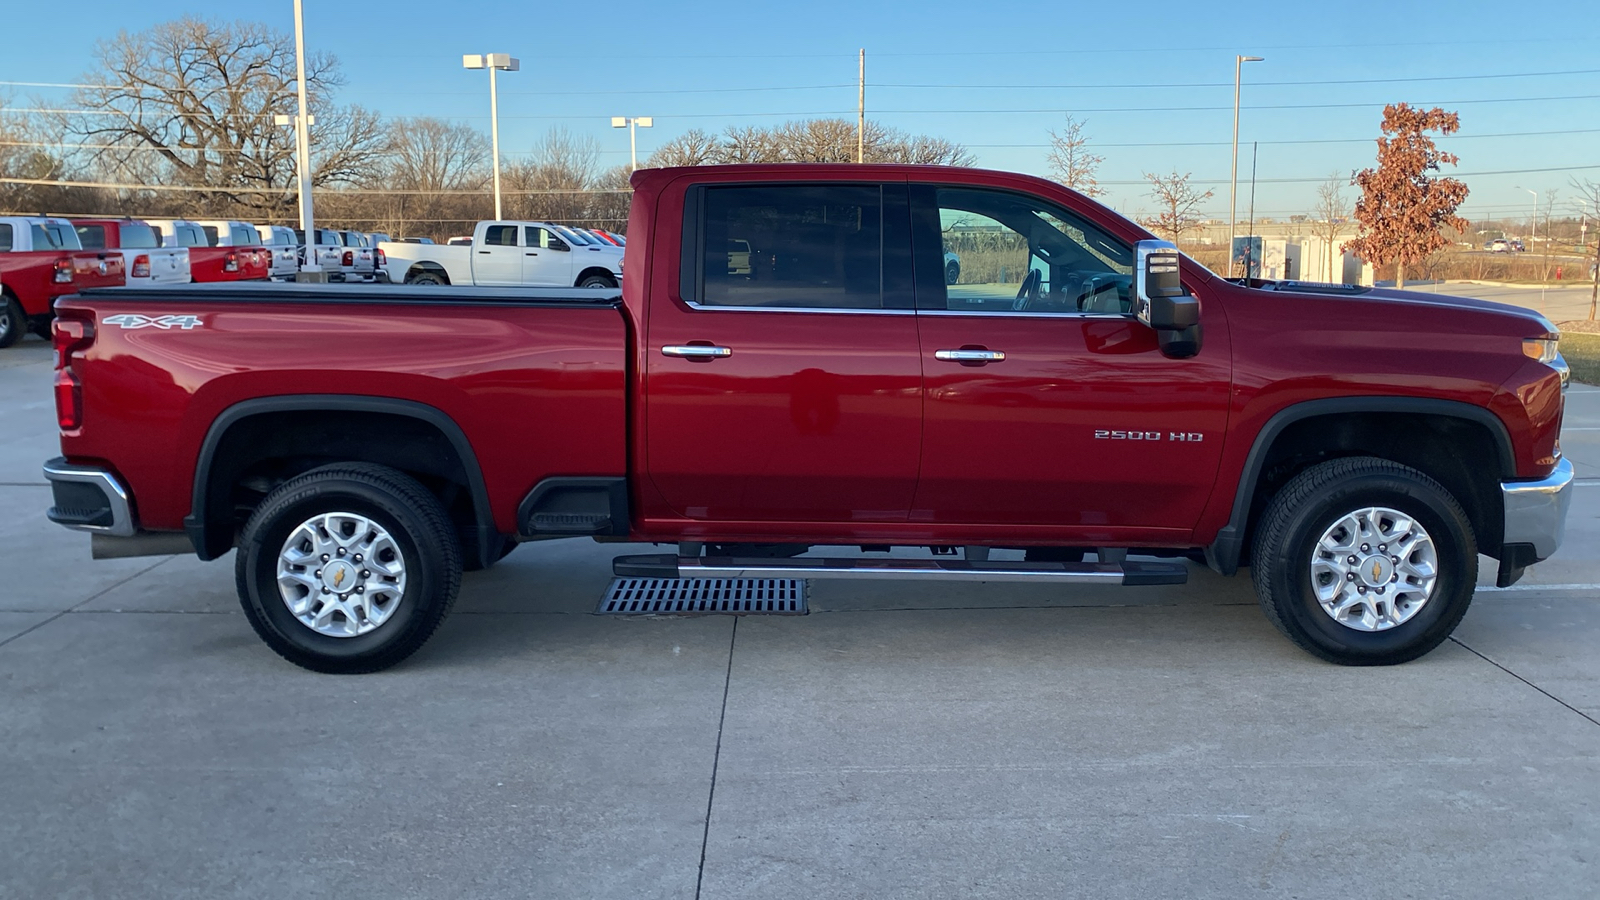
pixel 427 278
pixel 1295 520
pixel 41 325
pixel 421 529
pixel 13 322
pixel 597 281
pixel 952 272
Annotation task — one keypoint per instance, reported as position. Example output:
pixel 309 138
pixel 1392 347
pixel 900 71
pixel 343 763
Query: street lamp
pixel 1533 223
pixel 633 125
pixel 1233 187
pixel 493 62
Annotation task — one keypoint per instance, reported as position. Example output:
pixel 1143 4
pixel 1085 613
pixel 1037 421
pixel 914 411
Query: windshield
pixel 572 236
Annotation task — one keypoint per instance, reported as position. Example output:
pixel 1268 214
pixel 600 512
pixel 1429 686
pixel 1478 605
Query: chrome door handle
pixel 696 351
pixel 970 356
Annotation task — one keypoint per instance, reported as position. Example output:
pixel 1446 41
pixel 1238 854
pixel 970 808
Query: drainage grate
pixel 687 596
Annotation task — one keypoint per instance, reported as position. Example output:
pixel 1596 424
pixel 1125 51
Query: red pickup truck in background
pixel 1080 389
pixel 231 253
pixel 146 263
pixel 41 259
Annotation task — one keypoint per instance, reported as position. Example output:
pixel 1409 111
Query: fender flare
pixel 1223 554
pixel 208 546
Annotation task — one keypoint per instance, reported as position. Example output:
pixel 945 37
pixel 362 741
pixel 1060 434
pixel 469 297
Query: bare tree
pixel 1071 162
pixel 1589 207
pixel 1329 218
pixel 1176 199
pixel 1402 207
pixel 191 102
pixel 922 150
pixel 553 182
pixel 445 164
pixel 694 147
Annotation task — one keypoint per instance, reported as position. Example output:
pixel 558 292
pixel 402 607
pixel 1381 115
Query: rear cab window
pixel 6 238
pixel 92 237
pixel 138 236
pixel 800 246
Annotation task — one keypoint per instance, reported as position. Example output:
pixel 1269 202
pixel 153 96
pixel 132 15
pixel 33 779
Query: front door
pixel 783 379
pixel 1047 403
pixel 498 260
pixel 546 258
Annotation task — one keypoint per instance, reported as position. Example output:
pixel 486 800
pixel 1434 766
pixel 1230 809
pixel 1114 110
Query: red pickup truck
pixel 41 259
pixel 1080 389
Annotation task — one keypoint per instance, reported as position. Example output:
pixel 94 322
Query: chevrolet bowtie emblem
pixel 338 578
pixel 1377 571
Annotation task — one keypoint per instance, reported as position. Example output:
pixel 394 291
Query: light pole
pixel 1533 223
pixel 1233 185
pixel 493 62
pixel 633 124
pixel 302 139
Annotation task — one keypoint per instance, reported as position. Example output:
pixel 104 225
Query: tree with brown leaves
pixel 1403 208
pixel 1071 161
pixel 1177 201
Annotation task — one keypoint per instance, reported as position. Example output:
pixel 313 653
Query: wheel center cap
pixel 1376 570
pixel 339 576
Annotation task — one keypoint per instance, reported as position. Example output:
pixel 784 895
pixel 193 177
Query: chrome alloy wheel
pixel 341 574
pixel 1374 569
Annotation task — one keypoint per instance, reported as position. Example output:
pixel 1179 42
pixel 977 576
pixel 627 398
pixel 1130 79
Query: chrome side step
pixel 1127 573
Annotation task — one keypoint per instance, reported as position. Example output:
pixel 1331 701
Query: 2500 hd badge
pixel 1190 437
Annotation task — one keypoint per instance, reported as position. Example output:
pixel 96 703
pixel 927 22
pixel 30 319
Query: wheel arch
pixel 595 270
pixel 284 430
pixel 429 266
pixel 1274 457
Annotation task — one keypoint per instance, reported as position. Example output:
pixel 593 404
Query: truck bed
pixel 533 378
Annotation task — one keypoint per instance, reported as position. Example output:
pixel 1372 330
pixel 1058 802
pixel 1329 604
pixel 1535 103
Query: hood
pixel 1534 322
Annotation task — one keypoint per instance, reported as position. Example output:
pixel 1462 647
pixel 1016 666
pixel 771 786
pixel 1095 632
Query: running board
pixel 1127 573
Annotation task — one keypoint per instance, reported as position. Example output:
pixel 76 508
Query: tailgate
pixel 97 269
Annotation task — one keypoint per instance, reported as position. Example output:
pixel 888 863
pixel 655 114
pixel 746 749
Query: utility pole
pixel 302 139
pixel 861 109
pixel 1233 181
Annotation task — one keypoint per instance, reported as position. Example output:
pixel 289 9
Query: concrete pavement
pixel 901 741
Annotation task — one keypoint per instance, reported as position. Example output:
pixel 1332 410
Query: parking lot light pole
pixel 1533 223
pixel 493 62
pixel 1233 188
pixel 302 139
pixel 633 124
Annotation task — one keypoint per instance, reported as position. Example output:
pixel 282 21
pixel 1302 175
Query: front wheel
pixel 1362 561
pixel 597 281
pixel 348 568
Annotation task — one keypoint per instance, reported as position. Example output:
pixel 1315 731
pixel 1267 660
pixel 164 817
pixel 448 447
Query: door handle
pixel 530 253
pixel 969 356
pixel 696 351
pixel 484 252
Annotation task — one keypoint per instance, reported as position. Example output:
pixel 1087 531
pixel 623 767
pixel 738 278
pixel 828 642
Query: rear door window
pixel 804 246
pixel 500 236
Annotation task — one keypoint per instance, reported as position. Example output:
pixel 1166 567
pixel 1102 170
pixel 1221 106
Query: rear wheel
pixel 426 278
pixel 952 272
pixel 13 323
pixel 348 568
pixel 1363 561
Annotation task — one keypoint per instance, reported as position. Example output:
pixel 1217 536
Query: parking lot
pixel 900 741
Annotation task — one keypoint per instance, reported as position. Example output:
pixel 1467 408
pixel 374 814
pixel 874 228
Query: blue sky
pixel 992 76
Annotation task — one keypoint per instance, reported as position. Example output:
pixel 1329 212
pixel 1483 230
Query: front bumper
pixel 89 499
pixel 1536 511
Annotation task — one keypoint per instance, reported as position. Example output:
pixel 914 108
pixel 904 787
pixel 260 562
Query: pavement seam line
pixel 716 757
pixel 89 599
pixel 1525 681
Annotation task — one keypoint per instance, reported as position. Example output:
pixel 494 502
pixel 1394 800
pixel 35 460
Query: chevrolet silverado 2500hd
pixel 1356 448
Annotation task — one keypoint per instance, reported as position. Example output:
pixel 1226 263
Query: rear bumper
pixel 1536 511
pixel 87 498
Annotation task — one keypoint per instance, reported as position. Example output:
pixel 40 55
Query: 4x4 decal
pixel 132 321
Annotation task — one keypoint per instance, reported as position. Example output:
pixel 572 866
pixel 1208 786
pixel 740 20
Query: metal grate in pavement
pixel 691 596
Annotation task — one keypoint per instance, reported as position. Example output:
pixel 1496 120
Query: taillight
pixel 141 266
pixel 231 264
pixel 381 258
pixel 349 258
pixel 70 336
pixel 63 271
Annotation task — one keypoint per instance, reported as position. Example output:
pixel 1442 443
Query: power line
pixel 156 90
pixel 1365 140
pixel 1253 83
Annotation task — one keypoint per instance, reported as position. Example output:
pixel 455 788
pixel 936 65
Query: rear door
pixel 546 258
pixel 788 390
pixel 498 258
pixel 1046 402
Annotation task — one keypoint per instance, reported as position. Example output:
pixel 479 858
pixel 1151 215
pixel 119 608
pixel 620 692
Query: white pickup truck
pixel 507 253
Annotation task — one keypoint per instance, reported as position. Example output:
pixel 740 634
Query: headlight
pixel 1542 349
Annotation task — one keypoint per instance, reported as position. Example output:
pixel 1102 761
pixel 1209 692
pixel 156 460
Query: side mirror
pixel 1159 300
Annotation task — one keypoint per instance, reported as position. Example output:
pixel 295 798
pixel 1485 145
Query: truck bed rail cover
pixel 279 292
